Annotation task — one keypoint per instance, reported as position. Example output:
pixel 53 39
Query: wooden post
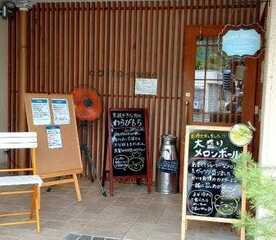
pixel 23 74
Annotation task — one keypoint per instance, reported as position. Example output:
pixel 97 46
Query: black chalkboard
pixel 212 190
pixel 128 142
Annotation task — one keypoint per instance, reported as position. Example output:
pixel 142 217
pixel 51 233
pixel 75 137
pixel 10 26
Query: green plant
pixel 261 192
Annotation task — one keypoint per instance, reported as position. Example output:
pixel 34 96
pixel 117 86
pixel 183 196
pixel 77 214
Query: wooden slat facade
pixel 106 45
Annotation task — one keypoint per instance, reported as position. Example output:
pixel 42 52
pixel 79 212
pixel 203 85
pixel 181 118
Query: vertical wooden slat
pixel 98 126
pixel 42 49
pixel 66 51
pixel 75 44
pixel 70 46
pixel 132 53
pixel 128 49
pixel 142 49
pixel 61 45
pixel 112 55
pixel 80 37
pixel 31 51
pixel 51 46
pixel 169 74
pixel 47 45
pixel 138 33
pixel 36 49
pixel 86 45
pixel 56 48
pixel 175 72
pixel 159 55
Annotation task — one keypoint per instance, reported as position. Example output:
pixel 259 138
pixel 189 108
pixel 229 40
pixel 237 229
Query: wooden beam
pixel 57 182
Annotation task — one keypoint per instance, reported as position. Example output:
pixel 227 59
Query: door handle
pixel 187 103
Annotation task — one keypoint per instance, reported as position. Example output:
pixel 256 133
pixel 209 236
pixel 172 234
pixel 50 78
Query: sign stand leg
pixel 184 229
pixel 149 184
pixel 111 187
pixel 77 187
pixel 243 211
pixel 242 234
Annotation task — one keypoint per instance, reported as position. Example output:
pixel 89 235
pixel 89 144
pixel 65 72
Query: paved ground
pixel 131 214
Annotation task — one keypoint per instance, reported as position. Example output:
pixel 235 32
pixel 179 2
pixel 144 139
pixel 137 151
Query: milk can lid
pixel 168 137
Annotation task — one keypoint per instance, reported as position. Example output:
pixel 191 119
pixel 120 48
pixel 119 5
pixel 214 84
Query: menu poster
pixel 54 137
pixel 128 145
pixel 60 111
pixel 41 111
pixel 212 190
pixel 128 141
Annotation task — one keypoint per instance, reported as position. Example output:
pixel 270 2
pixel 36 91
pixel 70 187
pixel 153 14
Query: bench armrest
pixel 16 170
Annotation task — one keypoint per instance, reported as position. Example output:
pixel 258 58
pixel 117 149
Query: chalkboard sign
pixel 211 190
pixel 128 143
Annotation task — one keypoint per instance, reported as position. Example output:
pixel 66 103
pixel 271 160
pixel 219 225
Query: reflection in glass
pixel 218 85
pixel 200 58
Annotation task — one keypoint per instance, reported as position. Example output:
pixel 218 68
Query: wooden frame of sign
pixel 55 164
pixel 128 155
pixel 207 201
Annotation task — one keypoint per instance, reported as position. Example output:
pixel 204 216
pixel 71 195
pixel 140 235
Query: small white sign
pixel 54 137
pixel 41 111
pixel 60 111
pixel 146 86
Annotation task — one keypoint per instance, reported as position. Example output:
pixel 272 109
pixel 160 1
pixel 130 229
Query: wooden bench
pixel 21 140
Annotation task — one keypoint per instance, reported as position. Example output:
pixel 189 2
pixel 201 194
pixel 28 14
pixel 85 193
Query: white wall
pixel 268 123
pixel 3 80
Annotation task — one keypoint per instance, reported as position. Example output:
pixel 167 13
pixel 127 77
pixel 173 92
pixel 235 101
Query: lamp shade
pixel 88 104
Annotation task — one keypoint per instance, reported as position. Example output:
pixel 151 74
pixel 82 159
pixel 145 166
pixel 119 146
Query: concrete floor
pixel 132 214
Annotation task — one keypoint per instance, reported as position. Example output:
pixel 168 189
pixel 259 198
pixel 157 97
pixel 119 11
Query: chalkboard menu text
pixel 210 190
pixel 213 190
pixel 128 143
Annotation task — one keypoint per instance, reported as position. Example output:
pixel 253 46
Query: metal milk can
pixel 167 166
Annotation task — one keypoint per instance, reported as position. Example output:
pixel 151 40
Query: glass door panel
pixel 218 85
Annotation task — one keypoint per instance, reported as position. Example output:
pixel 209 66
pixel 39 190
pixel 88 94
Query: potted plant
pixel 261 193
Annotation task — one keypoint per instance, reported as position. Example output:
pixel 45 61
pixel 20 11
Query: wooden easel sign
pixel 211 193
pixel 128 146
pixel 52 117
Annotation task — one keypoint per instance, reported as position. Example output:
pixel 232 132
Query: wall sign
pixel 128 145
pixel 60 111
pixel 241 40
pixel 40 111
pixel 146 86
pixel 54 137
pixel 211 192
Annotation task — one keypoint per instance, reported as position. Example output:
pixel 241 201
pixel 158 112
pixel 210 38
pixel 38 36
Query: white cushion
pixel 20 180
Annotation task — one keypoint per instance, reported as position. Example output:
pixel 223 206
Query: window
pixel 218 85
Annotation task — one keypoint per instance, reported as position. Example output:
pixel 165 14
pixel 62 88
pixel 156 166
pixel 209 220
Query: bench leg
pixel 77 187
pixel 37 208
pixel 32 216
